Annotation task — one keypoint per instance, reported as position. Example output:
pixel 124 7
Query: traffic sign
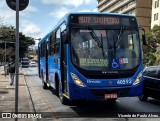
pixel 22 4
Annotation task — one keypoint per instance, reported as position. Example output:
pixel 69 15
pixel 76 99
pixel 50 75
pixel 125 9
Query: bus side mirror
pixel 65 37
pixel 143 36
pixel 144 39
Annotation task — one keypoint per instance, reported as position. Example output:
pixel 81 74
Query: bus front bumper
pixel 98 93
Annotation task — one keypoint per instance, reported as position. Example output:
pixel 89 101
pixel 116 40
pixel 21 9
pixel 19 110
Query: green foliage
pixel 157 54
pixel 8 34
pixel 33 52
pixel 149 51
pixel 25 42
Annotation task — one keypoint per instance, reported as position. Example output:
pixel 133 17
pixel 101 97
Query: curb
pixel 31 103
pixel 7 74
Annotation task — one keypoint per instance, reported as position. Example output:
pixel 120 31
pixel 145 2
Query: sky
pixel 41 15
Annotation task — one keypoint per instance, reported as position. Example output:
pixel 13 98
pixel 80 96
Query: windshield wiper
pixel 94 36
pixel 116 43
pixel 102 47
pixel 119 36
pixel 99 42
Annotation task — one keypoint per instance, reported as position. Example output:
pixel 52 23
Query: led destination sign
pixel 97 20
pixel 103 20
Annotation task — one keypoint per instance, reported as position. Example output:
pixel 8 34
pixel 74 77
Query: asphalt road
pixel 47 101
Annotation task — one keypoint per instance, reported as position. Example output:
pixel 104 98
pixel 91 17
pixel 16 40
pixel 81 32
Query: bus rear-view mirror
pixel 144 39
pixel 65 37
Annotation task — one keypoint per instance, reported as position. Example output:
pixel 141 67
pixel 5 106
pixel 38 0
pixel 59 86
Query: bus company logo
pixel 93 81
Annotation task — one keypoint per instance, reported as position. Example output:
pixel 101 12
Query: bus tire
pixel 63 99
pixel 44 84
pixel 144 97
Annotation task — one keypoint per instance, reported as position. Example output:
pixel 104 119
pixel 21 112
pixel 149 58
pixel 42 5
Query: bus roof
pixel 96 13
pixel 65 18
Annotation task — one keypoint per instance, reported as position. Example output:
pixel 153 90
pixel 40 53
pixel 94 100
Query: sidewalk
pixel 7 95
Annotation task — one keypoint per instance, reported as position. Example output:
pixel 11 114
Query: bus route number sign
pixel 22 4
pixel 98 20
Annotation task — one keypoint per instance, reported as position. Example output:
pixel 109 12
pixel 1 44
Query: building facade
pixel 139 8
pixel 155 13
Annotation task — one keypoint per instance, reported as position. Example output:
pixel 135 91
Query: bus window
pixel 57 48
pixel 41 51
pixel 57 43
pixel 44 49
pixel 132 42
pixel 52 41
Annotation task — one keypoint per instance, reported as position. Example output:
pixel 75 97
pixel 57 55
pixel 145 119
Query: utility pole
pixel 17 5
pixel 17 57
pixel 5 60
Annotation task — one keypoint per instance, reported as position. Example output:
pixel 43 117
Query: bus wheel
pixel 143 97
pixel 63 99
pixel 44 85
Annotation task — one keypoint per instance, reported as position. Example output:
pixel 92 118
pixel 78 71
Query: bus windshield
pixel 100 50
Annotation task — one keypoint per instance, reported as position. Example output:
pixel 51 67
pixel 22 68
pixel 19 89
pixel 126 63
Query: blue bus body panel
pixel 117 82
pixel 43 67
pixel 96 91
pixel 77 93
pixel 53 69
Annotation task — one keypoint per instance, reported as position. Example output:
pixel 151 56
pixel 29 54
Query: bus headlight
pixel 77 81
pixel 138 79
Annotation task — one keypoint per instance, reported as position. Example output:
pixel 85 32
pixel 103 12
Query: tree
pixel 7 34
pixel 7 38
pixel 150 51
pixel 25 42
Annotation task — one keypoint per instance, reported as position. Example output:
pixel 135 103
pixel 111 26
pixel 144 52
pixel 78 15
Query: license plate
pixel 110 96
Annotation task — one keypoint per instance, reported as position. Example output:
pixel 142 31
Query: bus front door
pixel 64 68
pixel 46 64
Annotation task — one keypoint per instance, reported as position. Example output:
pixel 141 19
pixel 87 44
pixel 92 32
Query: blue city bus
pixel 92 56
